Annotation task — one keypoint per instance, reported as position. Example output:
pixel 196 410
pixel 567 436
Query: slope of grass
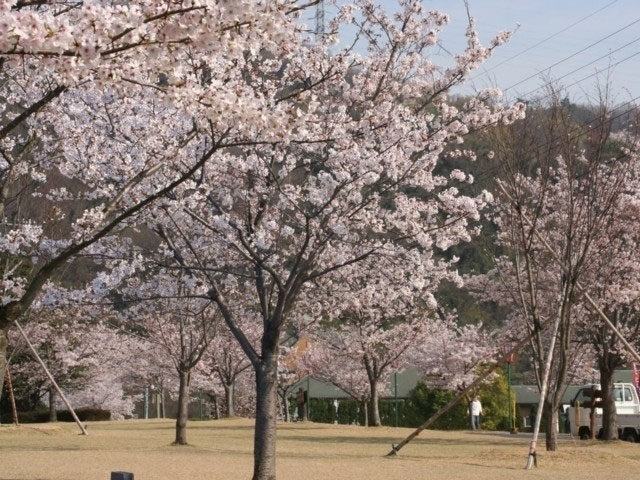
pixel 222 450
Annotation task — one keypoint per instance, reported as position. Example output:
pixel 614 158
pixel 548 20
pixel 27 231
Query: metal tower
pixel 320 19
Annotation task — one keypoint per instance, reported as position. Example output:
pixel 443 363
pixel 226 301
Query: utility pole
pixel 319 20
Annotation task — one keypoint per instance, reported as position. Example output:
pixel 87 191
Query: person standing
pixel 476 411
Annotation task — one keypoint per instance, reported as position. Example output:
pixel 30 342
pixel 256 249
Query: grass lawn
pixel 222 450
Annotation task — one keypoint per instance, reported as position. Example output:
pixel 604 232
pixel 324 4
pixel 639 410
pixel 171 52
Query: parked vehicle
pixel 627 410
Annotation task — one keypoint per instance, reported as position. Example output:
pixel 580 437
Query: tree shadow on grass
pixel 492 467
pixel 395 440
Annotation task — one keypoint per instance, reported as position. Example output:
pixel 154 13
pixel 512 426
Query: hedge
pixel 84 414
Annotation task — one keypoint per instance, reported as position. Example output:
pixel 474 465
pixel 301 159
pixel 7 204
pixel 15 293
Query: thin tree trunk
pixel 4 343
pixel 183 409
pixel 365 410
pixel 217 407
pixel 264 448
pixel 285 404
pixel 375 413
pixel 551 423
pixel 229 393
pixel 609 417
pixel 531 458
pixel 164 410
pixel 53 415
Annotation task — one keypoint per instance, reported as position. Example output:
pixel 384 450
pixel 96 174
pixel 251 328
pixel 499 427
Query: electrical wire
pixel 588 64
pixel 544 40
pixel 574 54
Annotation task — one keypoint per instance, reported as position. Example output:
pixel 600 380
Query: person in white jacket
pixel 476 411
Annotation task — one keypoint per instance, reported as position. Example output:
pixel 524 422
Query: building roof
pixel 406 381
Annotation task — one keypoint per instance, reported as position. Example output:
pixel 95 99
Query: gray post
pixel 395 393
pixel 121 476
pixel 308 397
pixel 146 403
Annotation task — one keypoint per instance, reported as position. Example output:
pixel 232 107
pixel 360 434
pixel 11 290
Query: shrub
pixel 424 401
pixel 322 411
pixel 84 414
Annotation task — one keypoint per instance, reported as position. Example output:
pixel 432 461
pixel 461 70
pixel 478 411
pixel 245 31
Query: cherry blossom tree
pixel 283 164
pixel 377 311
pixel 125 101
pixel 87 358
pixel 334 186
pixel 165 314
pixel 556 199
pixel 613 280
pixel 226 360
pixel 345 372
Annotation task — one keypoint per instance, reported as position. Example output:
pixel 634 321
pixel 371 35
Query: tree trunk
pixel 609 418
pixel 551 420
pixel 229 400
pixel 365 410
pixel 183 409
pixel 164 411
pixel 264 447
pixel 216 406
pixel 375 413
pixel 285 404
pixel 53 415
pixel 4 342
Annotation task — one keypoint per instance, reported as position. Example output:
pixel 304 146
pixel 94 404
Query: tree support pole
pixel 12 397
pixel 451 403
pixel 51 379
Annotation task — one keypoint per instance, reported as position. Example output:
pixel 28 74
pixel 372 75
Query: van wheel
pixel 584 433
pixel 629 436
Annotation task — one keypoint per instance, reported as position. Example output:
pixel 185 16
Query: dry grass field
pixel 222 450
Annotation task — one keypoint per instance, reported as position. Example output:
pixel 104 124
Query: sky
pixel 538 20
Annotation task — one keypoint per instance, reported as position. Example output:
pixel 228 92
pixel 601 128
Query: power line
pixel 588 76
pixel 575 54
pixel 486 72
